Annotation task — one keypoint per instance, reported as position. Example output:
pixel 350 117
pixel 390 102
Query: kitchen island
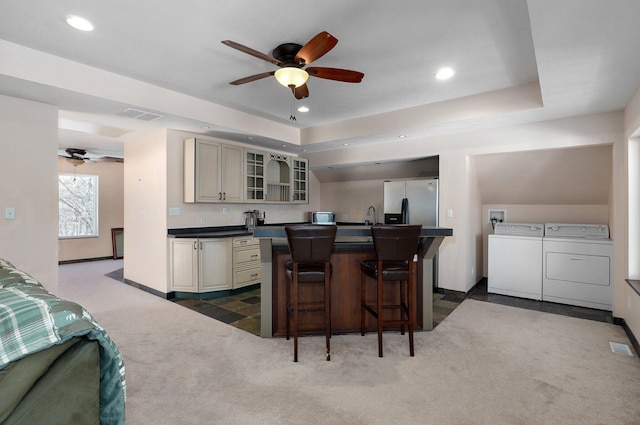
pixel 353 245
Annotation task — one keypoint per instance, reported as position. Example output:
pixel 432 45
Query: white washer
pixel 515 260
pixel 578 265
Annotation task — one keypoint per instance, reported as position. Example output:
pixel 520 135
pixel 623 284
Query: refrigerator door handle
pixel 405 211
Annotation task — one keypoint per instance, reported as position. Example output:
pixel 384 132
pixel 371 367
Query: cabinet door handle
pixel 219 196
pixel 195 244
pixel 254 276
pixel 254 256
pixel 224 196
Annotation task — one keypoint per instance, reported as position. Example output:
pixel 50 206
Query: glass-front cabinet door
pixel 255 176
pixel 300 181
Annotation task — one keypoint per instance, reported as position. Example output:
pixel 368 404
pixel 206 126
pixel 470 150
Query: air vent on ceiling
pixel 141 115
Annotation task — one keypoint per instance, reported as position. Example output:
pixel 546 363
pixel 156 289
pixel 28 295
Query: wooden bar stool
pixel 396 246
pixel 311 247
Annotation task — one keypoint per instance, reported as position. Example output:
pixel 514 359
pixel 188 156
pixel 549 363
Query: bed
pixel 57 365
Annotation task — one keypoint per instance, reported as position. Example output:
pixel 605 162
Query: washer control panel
pixel 583 231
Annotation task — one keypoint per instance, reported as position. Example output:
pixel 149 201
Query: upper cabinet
pixel 255 167
pixel 212 172
pixel 219 173
pixel 300 180
pixel 279 178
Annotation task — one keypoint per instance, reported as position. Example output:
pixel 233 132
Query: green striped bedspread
pixel 32 319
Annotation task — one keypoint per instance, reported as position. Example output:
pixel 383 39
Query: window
pixel 78 206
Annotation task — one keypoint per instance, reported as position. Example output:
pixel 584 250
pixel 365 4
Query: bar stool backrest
pixel 311 243
pixel 397 242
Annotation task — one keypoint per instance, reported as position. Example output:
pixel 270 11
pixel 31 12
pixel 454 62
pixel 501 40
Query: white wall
pixel 630 226
pixel 29 183
pixel 351 199
pixel 145 215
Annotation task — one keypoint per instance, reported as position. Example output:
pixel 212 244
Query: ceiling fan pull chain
pixel 292 117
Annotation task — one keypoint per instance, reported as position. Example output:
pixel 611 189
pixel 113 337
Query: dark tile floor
pixel 242 310
pixel 239 310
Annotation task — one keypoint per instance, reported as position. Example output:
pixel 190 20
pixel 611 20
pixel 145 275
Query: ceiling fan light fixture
pixel 291 76
pixel 76 161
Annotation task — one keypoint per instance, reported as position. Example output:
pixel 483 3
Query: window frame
pixel 96 214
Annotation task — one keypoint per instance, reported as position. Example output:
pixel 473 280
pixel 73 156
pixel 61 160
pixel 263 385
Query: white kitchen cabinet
pixel 213 172
pixel 247 269
pixel 255 178
pixel 278 178
pixel 300 180
pixel 200 265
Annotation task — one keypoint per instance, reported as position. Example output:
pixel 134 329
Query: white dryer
pixel 515 260
pixel 578 265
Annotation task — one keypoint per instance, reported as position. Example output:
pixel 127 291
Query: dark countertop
pixel 209 232
pixel 277 231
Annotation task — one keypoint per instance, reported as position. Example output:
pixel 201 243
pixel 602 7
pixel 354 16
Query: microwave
pixel 322 217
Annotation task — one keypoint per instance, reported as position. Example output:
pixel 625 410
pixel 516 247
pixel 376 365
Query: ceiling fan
pixel 292 58
pixel 80 156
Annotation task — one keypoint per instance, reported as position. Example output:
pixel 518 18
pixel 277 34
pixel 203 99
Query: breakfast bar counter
pixel 353 245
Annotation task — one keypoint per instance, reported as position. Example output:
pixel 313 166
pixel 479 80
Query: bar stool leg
pixel 410 285
pixel 288 308
pixel 327 308
pixel 380 317
pixel 294 301
pixel 363 283
pixel 402 304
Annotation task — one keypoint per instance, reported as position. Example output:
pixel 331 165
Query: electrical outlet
pixel 9 213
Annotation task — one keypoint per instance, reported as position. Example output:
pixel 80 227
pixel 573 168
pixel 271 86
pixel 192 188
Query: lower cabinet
pixel 246 261
pixel 200 265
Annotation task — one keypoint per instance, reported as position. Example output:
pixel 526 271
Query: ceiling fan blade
pixel 252 78
pixel 316 48
pixel 301 92
pixel 336 74
pixel 252 52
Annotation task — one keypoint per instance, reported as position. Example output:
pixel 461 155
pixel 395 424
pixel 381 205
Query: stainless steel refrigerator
pixel 414 202
pixel 411 202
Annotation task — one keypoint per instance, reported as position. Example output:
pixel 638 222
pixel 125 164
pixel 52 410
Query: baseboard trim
pixel 634 341
pixel 152 291
pixel 85 260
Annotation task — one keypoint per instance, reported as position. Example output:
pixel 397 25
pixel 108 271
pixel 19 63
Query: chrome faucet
pixel 375 217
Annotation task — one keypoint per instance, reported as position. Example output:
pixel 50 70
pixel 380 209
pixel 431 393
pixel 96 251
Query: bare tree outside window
pixel 78 206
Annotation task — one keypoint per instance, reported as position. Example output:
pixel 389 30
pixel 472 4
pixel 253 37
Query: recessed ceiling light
pixel 79 23
pixel 303 109
pixel 403 136
pixel 205 127
pixel 284 146
pixel 304 150
pixel 445 73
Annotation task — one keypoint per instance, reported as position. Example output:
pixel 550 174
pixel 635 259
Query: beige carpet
pixel 485 364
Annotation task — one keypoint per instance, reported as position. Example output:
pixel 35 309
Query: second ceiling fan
pixel 292 58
